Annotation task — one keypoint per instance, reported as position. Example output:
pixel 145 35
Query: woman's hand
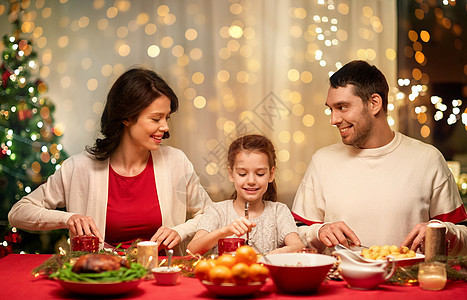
pixel 80 225
pixel 239 227
pixel 166 237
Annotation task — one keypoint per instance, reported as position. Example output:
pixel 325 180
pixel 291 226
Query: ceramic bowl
pixel 298 273
pixel 166 275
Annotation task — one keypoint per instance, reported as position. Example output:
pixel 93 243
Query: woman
pixel 127 186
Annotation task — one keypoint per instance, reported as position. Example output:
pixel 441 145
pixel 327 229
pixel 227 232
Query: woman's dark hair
pixel 133 91
pixel 366 79
pixel 255 143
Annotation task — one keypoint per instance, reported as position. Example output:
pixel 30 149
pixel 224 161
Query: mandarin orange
pixel 220 274
pixel 226 260
pixel 258 272
pixel 246 254
pixel 202 269
pixel 240 273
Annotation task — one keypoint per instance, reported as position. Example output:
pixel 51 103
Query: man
pixel 378 187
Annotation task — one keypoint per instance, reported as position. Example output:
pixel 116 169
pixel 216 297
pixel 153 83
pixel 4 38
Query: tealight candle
pixel 432 276
pixel 85 243
pixel 229 245
pixel 147 254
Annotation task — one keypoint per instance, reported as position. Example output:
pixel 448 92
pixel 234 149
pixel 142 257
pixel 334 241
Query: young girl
pixel 271 227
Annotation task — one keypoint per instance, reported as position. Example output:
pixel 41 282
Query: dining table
pixel 18 282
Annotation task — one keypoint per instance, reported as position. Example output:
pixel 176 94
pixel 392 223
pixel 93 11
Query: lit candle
pixel 432 276
pixel 147 254
pixel 435 240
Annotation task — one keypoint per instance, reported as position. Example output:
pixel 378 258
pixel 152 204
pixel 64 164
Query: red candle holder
pixel 229 245
pixel 85 243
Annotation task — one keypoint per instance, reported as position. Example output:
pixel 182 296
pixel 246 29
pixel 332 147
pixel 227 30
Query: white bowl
pixel 166 275
pixel 298 273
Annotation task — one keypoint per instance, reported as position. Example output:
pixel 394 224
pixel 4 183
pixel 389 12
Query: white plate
pixel 401 262
pixel 107 288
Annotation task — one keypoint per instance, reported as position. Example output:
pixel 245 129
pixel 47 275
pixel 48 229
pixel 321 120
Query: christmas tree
pixel 30 149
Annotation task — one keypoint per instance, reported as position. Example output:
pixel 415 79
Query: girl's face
pixel 146 132
pixel 251 175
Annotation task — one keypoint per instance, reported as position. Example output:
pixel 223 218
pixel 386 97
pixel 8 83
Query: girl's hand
pixel 80 225
pixel 166 237
pixel 239 227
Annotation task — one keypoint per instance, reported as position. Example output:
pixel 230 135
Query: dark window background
pixel 444 70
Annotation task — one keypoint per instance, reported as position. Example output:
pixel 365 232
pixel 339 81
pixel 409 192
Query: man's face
pixel 351 116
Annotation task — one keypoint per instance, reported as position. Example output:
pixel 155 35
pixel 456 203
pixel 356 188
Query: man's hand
pixel 335 233
pixel 166 237
pixel 80 225
pixel 415 238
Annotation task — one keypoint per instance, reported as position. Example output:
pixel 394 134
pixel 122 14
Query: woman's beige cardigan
pixel 81 187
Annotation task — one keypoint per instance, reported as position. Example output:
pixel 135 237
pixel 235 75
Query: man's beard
pixel 362 132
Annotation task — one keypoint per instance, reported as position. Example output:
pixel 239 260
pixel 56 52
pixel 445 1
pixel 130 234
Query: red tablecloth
pixel 16 282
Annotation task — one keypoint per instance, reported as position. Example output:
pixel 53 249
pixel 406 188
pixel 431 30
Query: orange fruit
pixel 202 269
pixel 220 274
pixel 246 254
pixel 240 273
pixel 226 260
pixel 258 272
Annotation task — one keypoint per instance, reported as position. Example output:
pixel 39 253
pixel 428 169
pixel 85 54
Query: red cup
pixel 229 245
pixel 85 243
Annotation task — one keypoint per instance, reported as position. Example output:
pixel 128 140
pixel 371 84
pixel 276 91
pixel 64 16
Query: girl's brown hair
pixel 255 143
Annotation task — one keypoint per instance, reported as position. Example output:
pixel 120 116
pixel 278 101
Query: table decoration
pixel 432 276
pixel 229 245
pixel 435 240
pixel 147 254
pixel 456 270
pixel 85 243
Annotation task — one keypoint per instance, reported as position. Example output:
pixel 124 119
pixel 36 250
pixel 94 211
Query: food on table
pixel 220 274
pixel 240 273
pixel 240 268
pixel 203 267
pixel 381 252
pixel 99 268
pixel 226 260
pixel 96 263
pixel 246 254
pixel 258 272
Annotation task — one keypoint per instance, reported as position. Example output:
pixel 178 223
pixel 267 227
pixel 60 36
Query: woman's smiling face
pixel 147 130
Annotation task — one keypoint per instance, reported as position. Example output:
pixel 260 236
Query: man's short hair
pixel 365 78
